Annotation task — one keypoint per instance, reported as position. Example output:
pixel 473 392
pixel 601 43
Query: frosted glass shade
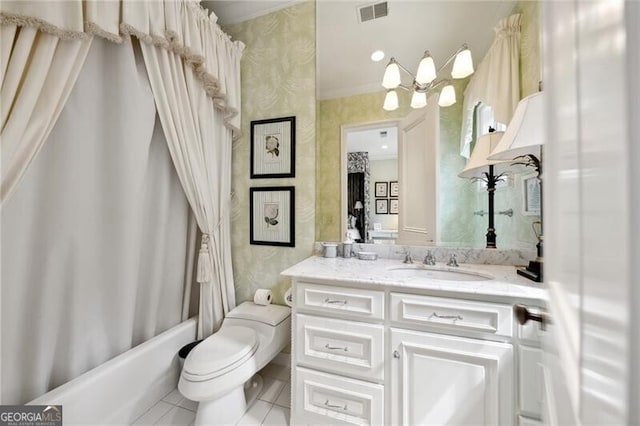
pixel 391 78
pixel 418 100
pixel 462 65
pixel 525 132
pixel 390 101
pixel 478 163
pixel 447 96
pixel 426 70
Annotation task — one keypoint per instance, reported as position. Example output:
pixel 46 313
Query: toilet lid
pixel 221 350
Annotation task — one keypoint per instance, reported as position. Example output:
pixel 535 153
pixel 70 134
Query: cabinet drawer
pixel 356 303
pixel 530 392
pixel 452 314
pixel 341 346
pixel 325 399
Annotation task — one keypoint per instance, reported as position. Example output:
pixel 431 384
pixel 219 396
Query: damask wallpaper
pixel 278 80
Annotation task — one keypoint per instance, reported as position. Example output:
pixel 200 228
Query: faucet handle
pixel 407 257
pixel 453 261
pixel 429 259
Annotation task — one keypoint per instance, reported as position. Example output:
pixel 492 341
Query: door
pixel 592 190
pixel 440 379
pixel 417 170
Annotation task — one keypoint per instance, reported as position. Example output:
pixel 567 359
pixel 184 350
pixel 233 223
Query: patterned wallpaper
pixel 278 80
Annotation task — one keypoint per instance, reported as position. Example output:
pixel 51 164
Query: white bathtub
pixel 122 389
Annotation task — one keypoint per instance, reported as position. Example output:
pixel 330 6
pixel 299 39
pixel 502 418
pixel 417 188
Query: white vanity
pixel 382 342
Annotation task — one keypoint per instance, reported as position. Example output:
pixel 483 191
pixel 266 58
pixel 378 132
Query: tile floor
pixel 271 408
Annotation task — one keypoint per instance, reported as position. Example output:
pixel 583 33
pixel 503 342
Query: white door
pixel 592 200
pixel 448 380
pixel 417 163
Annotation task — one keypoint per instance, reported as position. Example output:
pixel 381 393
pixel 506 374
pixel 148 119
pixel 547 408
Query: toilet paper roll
pixel 288 298
pixel 262 296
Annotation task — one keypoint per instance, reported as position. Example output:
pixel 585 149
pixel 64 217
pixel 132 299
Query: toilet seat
pixel 219 353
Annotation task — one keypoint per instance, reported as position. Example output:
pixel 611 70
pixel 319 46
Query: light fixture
pixel 425 79
pixel 358 205
pixel 490 172
pixel 377 56
pixel 522 142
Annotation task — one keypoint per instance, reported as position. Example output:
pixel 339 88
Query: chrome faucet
pixel 429 259
pixel 407 258
pixel 452 261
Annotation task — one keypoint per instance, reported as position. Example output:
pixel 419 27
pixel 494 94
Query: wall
pixel 278 79
pixel 382 171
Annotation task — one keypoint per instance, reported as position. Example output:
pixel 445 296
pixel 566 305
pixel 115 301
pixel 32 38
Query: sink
pixel 438 273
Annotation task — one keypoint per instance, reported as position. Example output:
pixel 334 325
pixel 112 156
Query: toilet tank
pixel 271 315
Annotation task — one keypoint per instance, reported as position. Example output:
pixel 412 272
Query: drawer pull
pixel 339 407
pixel 335 302
pixel 453 317
pixel 335 348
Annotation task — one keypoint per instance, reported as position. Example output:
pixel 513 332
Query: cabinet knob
pixel 523 315
pixel 396 354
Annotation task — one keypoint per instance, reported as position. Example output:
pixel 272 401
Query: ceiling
pixel 344 45
pixel 381 143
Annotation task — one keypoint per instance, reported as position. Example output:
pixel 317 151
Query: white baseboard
pixel 283 359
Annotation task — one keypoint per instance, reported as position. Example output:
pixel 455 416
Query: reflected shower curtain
pixel 94 239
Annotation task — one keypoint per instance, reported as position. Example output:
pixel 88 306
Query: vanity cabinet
pixel 375 354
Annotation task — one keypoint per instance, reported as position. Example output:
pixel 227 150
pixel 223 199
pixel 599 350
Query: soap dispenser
pixel 347 247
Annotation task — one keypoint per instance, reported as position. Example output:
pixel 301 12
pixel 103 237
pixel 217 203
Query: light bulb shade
pixel 418 99
pixel 391 78
pixel 478 163
pixel 525 132
pixel 426 70
pixel 390 101
pixel 358 205
pixel 447 96
pixel 462 65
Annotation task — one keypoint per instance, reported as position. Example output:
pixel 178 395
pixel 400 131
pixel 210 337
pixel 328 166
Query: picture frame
pixel 531 195
pixel 381 189
pixel 393 206
pixel 272 216
pixel 394 189
pixel 382 206
pixel 273 148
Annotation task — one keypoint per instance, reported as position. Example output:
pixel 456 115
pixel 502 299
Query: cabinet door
pixel 439 379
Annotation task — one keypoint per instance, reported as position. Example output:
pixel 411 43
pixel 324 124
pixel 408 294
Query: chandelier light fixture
pixel 425 79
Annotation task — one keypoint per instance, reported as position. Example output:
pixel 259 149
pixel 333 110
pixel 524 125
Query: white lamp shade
pixel 447 96
pixel 426 70
pixel 358 205
pixel 478 163
pixel 390 101
pixel 463 65
pixel 418 100
pixel 391 78
pixel 525 133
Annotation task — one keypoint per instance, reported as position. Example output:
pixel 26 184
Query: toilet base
pixel 229 409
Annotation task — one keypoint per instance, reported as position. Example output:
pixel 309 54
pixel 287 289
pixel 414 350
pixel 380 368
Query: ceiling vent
pixel 383 134
pixel 373 11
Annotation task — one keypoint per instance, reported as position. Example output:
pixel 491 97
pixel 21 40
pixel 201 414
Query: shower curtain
pixel 95 236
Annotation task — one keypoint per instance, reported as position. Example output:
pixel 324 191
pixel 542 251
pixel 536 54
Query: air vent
pixel 383 134
pixel 373 11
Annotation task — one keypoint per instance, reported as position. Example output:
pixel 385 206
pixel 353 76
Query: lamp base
pixel 533 271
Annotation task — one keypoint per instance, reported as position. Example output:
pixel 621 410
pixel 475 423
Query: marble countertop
pixel 505 282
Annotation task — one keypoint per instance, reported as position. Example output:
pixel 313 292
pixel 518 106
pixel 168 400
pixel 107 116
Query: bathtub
pixel 125 387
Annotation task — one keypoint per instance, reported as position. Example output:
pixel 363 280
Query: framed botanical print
pixel 273 148
pixel 531 195
pixel 382 206
pixel 393 206
pixel 272 216
pixel 381 189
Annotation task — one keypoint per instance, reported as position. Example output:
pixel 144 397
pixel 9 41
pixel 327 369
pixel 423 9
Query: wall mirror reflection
pixel 352 57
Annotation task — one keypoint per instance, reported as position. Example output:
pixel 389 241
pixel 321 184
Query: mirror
pixel 461 204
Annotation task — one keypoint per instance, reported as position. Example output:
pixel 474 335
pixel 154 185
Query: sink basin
pixel 438 274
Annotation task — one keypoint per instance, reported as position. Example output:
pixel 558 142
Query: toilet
pixel 220 373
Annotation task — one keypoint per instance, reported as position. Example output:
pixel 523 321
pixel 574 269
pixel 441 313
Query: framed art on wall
pixel 531 195
pixel 382 206
pixel 273 148
pixel 393 206
pixel 272 216
pixel 381 189
pixel 393 188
